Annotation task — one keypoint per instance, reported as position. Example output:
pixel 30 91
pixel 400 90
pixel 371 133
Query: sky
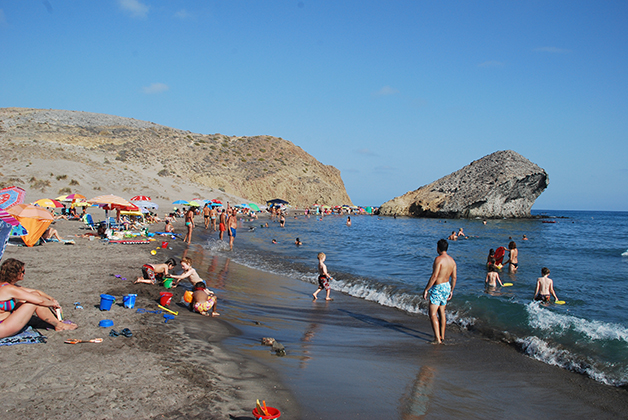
pixel 395 94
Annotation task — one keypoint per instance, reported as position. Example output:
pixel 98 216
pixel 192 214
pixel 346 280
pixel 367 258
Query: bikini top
pixel 7 305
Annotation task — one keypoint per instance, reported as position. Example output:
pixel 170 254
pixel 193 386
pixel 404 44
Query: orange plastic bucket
pixel 164 298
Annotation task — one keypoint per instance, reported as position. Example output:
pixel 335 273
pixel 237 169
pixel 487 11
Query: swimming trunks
pixel 233 231
pixel 222 227
pixel 323 283
pixel 149 273
pixel 7 305
pixel 205 306
pixel 542 297
pixel 439 293
pixel 515 265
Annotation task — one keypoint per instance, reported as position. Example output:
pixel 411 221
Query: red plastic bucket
pixel 164 298
pixel 164 245
pixel 273 413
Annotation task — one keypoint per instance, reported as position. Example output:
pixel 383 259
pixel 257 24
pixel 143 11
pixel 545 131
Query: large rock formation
pixel 145 156
pixel 503 184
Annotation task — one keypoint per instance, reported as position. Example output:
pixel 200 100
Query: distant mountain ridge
pixel 257 168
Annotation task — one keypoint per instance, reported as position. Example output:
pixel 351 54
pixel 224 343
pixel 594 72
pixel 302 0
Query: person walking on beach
pixel 513 257
pixel 544 287
pixel 189 223
pixel 223 224
pixel 439 290
pixel 206 212
pixel 212 214
pixel 323 277
pixel 232 223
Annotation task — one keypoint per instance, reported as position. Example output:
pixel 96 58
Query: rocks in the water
pixel 278 348
pixel 502 184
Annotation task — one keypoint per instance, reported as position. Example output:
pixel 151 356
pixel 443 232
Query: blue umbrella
pixel 183 202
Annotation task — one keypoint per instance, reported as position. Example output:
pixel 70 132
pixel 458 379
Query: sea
pixel 389 261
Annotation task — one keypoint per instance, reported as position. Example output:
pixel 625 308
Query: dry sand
pixel 165 370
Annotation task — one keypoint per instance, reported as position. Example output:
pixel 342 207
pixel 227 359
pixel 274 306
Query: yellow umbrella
pixel 47 202
pixel 112 200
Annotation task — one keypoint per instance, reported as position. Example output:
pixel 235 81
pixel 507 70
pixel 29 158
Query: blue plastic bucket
pixel 129 301
pixel 106 301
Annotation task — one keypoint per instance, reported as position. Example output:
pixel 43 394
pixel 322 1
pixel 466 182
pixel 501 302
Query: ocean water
pixel 389 261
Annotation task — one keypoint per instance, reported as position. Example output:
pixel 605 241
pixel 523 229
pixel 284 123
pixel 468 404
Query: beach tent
pixel 34 219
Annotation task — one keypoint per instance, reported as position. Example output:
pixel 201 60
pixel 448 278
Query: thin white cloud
pixel 155 88
pixel 366 152
pixel 183 14
pixel 553 50
pixel 386 91
pixel 135 8
pixel 491 63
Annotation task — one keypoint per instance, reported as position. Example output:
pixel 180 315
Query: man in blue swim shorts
pixel 439 290
pixel 232 223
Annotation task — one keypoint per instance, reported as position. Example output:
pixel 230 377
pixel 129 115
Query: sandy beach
pixel 345 359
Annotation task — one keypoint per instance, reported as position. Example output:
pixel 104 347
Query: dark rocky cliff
pixel 502 184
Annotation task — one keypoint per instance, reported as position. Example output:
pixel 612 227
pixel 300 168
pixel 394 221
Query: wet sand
pixel 347 359
pixel 355 359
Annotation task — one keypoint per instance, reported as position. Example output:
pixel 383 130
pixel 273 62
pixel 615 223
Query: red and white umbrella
pixel 140 198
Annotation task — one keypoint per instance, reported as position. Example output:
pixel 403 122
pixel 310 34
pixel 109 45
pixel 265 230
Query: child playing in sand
pixel 204 300
pixel 188 273
pixel 544 287
pixel 323 277
pixel 492 277
pixel 153 272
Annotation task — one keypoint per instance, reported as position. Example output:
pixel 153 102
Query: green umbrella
pixel 254 206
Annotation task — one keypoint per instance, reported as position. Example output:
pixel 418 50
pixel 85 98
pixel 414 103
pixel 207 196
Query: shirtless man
pixel 439 290
pixel 232 223
pixel 453 236
pixel 213 214
pixel 222 227
pixel 513 257
pixel 544 287
pixel 206 212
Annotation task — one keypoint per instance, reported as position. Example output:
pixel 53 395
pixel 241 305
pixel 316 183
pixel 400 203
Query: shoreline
pixel 349 358
pixel 177 369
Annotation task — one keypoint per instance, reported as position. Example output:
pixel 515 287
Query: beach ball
pixel 153 252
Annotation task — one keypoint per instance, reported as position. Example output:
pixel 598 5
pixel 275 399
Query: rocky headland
pixel 503 184
pixel 55 152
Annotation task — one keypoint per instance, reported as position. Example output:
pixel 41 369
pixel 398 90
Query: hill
pixel 53 151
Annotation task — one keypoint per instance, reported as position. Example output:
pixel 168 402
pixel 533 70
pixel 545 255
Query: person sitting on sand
pixel 492 277
pixel 188 273
pixel 544 287
pixel 168 228
pixel 204 300
pixel 51 233
pixel 18 304
pixel 153 272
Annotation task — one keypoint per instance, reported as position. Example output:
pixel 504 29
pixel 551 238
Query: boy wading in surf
pixel 439 290
pixel 323 277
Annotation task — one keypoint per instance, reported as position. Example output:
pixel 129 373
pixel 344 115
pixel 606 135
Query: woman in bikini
pixel 189 223
pixel 18 304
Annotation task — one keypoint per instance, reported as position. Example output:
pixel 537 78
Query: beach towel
pixel 27 336
pixel 129 241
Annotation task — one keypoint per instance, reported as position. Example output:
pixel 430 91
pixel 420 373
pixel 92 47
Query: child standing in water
pixel 544 287
pixel 323 277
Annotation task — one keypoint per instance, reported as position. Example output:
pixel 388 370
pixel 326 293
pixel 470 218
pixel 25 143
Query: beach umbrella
pixel 8 218
pixel 276 201
pixel 254 206
pixel 48 202
pixel 194 203
pixel 181 202
pixel 146 204
pixel 80 203
pixel 75 197
pixel 216 201
pixel 140 198
pixel 18 231
pixel 113 201
pixel 216 204
pixel 10 196
pixel 34 219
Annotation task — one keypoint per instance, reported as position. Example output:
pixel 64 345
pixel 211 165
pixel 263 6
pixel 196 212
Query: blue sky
pixel 394 94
